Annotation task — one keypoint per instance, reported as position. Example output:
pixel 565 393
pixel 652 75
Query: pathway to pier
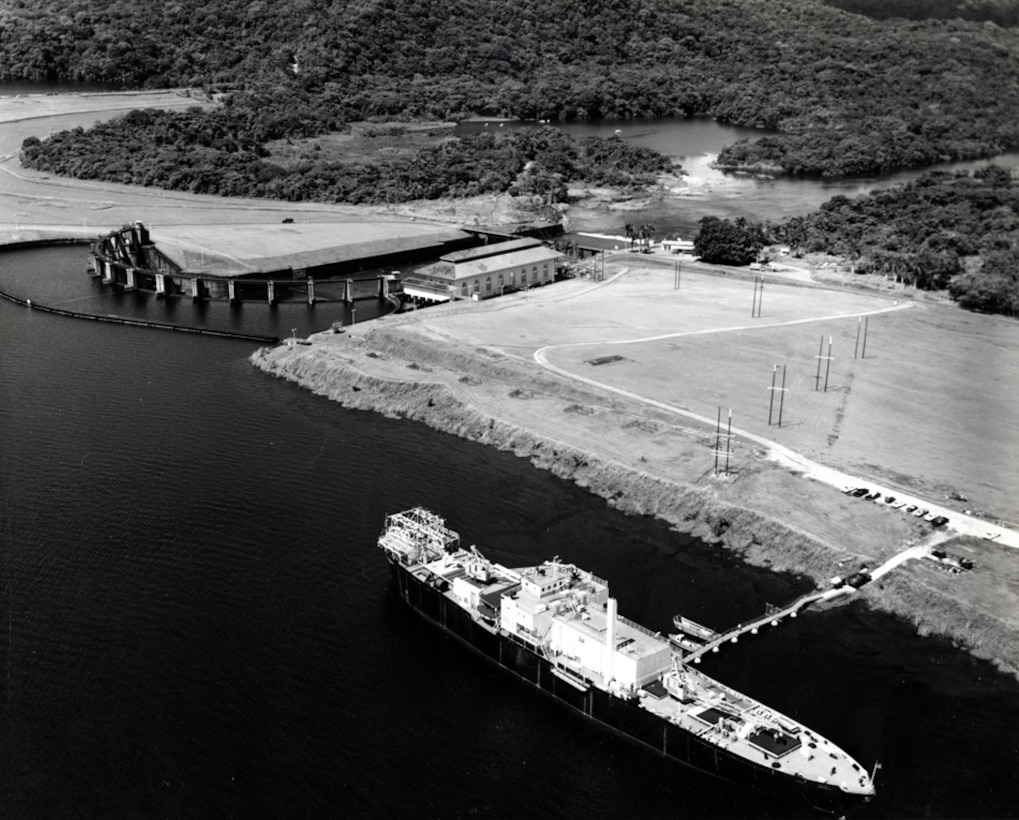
pixel 792 610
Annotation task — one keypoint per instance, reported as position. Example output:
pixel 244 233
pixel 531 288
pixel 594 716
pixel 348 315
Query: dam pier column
pixel 160 285
pixel 196 289
pixel 131 283
pixel 383 288
pixel 271 288
pixel 107 271
pixel 348 291
pixel 231 291
pixel 311 291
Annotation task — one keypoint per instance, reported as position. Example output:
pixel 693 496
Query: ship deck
pixel 750 730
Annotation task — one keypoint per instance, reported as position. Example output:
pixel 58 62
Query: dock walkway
pixel 773 618
pixel 792 610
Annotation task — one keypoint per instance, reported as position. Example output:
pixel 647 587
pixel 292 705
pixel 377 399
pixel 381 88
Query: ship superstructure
pixel 556 626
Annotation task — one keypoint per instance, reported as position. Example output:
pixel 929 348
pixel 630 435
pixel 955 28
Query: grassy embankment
pixel 646 462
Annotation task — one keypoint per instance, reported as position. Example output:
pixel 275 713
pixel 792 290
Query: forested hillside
pixel 1001 12
pixel 957 231
pixel 849 94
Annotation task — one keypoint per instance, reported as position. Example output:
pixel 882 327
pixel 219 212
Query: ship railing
pixel 639 628
pixel 421 528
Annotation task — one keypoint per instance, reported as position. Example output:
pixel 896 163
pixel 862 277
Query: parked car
pixel 910 508
pixel 873 495
pixel 939 521
pixel 921 513
pixel 860 491
pixel 858 579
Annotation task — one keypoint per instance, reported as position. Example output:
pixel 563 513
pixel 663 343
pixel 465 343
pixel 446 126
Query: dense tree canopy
pixel 955 230
pixel 223 152
pixel 728 242
pixel 849 94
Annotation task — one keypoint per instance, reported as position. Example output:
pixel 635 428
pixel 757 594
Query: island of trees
pixel 223 152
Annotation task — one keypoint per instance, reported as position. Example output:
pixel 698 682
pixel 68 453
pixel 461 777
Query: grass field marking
pixel 737 328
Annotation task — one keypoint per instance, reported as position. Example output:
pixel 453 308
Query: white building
pixel 677 245
pixel 480 273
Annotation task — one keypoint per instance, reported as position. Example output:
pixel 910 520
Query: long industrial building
pixel 484 272
pixel 262 261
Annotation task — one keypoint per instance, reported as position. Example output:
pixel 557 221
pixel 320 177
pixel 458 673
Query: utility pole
pixel 718 441
pixel 827 365
pixel 857 348
pixel 771 402
pixel 781 392
pixel 679 271
pixel 718 438
pixel 755 311
pixel 781 398
pixel 866 321
pixel 728 443
pixel 820 355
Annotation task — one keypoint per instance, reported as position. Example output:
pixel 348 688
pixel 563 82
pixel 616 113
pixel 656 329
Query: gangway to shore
pixel 693 653
pixel 772 617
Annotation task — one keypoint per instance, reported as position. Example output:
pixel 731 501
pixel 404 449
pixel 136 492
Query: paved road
pixel 963 524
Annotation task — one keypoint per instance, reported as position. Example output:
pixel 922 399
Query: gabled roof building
pixel 480 273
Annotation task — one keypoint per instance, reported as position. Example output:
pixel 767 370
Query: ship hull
pixel 621 716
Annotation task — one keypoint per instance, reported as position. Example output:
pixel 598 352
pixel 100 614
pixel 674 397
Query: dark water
pixel 195 623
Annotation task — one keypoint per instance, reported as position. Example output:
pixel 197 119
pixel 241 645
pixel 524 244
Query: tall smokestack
pixel 610 637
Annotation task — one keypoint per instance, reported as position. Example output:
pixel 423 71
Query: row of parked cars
pixel 891 501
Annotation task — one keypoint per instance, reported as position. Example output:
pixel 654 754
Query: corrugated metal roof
pixel 232 250
pixel 505 261
pixel 492 249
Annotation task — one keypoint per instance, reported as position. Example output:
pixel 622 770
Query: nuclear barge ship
pixel 556 627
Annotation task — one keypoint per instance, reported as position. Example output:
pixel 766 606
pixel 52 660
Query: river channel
pixel 694 144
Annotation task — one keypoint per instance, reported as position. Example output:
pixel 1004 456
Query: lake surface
pixel 195 621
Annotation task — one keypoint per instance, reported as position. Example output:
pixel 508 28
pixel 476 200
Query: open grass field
pixel 929 408
pixel 926 412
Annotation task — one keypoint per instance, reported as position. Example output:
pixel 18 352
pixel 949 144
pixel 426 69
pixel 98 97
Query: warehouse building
pixel 484 272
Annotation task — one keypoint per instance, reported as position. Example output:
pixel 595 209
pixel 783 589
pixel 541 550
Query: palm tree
pixel 649 234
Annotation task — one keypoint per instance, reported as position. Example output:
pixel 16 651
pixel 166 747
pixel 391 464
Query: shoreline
pixel 488 390
pixel 401 376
